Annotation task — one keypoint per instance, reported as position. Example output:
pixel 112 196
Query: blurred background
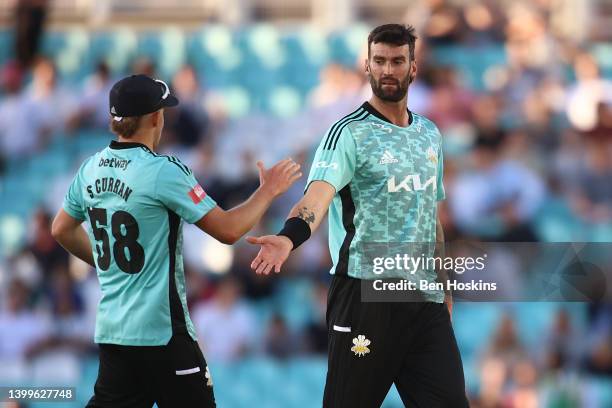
pixel 521 91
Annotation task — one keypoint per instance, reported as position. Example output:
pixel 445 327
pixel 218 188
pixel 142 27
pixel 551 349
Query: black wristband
pixel 297 230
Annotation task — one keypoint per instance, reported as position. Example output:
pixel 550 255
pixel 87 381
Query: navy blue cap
pixel 138 95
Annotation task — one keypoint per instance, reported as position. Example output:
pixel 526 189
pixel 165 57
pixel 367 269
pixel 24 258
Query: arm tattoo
pixel 307 215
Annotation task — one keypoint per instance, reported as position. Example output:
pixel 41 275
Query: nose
pixel 388 69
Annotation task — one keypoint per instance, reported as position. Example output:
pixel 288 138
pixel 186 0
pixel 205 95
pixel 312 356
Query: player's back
pixel 133 201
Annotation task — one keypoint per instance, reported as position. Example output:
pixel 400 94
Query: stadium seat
pixel 263 42
pixel 472 62
pixel 166 48
pixel 556 222
pixel 53 42
pixel 117 48
pixel 345 46
pixel 294 301
pixel 90 141
pixel 603 54
pixel 284 101
pixel 236 101
pixel 310 372
pixel 6 45
pixel 261 371
pixel 54 368
pixel 12 232
pixel 474 324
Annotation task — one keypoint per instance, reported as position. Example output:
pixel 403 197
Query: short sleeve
pixel 334 161
pixel 181 193
pixel 440 193
pixel 73 201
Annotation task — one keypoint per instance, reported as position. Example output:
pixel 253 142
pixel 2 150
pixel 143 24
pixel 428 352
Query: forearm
pixel 306 216
pixel 242 218
pixel 310 211
pixel 77 243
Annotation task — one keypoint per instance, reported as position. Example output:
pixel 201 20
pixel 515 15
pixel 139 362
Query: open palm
pixel 273 253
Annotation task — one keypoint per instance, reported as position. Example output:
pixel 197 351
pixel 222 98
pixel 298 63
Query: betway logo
pixel 411 182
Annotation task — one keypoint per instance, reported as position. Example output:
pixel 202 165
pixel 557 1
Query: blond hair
pixel 126 127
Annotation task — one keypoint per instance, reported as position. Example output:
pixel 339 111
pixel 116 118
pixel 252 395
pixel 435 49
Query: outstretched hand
pixel 279 177
pixel 274 251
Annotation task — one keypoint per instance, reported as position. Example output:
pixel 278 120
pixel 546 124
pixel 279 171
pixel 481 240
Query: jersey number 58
pixel 125 231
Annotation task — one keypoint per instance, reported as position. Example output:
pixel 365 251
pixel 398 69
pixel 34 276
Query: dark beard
pixel 393 96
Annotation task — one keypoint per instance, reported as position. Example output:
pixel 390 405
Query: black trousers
pixel 175 375
pixel 374 345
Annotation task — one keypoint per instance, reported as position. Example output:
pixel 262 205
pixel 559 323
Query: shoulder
pixel 426 125
pixel 342 128
pixel 89 162
pixel 168 163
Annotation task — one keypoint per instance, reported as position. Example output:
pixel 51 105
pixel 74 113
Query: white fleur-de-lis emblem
pixel 361 344
pixel 208 377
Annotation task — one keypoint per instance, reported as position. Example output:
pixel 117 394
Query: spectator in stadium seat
pixel 587 93
pixel 450 101
pixel 493 375
pixel 188 124
pixel 47 252
pixel 498 198
pixel 484 22
pixel 445 25
pixel 279 342
pixel 505 343
pixel 93 107
pixel 28 121
pixel 598 360
pixel 523 391
pixel 316 330
pixel 11 78
pixel 337 82
pixel 20 328
pixel 144 65
pixel 225 325
pixel 592 195
pixel 30 18
pixel 562 346
pixel 69 329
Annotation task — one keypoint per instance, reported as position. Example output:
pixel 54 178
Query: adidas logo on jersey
pixel 387 158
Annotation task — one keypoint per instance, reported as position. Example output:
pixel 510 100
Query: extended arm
pixel 311 209
pixel 229 226
pixel 70 234
pixel 314 205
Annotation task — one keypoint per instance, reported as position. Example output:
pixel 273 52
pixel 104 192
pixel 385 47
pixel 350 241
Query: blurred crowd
pixel 528 157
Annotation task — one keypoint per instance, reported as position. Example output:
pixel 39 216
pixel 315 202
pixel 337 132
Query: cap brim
pixel 170 101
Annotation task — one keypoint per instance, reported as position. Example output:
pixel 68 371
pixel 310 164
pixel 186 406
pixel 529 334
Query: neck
pixel 396 112
pixel 145 139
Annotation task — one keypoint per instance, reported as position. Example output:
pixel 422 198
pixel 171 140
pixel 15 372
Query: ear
pixel 367 66
pixel 413 71
pixel 155 118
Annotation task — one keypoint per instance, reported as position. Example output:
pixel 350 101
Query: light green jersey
pixel 388 180
pixel 134 202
